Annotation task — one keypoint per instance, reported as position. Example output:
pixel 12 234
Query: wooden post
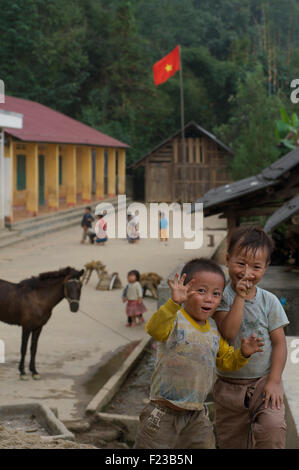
pixel 232 222
pixel 52 176
pixel 70 175
pixel 121 171
pixel 100 173
pixel 111 172
pixel 32 178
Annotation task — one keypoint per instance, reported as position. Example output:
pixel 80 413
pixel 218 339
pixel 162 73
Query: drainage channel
pixel 134 393
pixel 108 366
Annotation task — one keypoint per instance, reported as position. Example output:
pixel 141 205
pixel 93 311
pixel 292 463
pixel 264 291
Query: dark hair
pixel 251 239
pixel 88 207
pixel 199 265
pixel 136 274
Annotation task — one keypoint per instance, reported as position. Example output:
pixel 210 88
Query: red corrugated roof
pixel 43 124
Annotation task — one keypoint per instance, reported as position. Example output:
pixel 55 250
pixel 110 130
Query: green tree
pixel 41 51
pixel 250 130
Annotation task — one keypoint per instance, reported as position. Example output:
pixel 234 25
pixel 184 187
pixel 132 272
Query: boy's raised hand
pixel 244 285
pixel 251 345
pixel 179 291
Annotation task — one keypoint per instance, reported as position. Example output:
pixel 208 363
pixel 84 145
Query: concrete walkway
pixel 72 345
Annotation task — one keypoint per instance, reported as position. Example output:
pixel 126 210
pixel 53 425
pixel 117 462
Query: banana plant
pixel 287 130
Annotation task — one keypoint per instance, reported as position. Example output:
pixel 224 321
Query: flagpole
pixel 183 129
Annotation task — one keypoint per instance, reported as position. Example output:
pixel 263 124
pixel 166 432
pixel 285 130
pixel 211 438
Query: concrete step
pixel 9 237
pixel 39 226
pixel 4 233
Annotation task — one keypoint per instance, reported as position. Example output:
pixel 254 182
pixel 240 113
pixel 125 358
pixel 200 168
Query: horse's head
pixel 72 289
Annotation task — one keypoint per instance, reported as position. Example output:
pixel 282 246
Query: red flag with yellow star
pixel 167 67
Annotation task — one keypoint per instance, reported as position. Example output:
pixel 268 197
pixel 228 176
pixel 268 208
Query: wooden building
pixel 206 166
pixel 56 162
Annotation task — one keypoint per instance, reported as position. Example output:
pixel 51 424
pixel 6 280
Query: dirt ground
pixel 11 439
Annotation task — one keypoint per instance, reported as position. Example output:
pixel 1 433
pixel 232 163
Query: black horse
pixel 29 304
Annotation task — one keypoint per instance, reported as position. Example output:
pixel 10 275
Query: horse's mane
pixel 37 282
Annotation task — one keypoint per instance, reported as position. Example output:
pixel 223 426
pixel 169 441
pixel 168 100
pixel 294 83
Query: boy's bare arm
pixel 273 389
pixel 229 323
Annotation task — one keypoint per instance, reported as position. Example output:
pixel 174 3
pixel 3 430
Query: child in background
pixel 163 228
pixel 132 228
pixel 189 347
pixel 249 402
pixel 133 295
pixel 101 229
pixel 86 223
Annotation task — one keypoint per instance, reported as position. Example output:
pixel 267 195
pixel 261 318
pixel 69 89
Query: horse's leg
pixel 25 337
pixel 33 349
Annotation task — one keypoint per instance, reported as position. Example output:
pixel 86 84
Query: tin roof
pixel 217 198
pixel 43 124
pixel 282 214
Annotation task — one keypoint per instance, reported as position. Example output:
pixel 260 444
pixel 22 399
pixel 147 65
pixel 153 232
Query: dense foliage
pixel 92 59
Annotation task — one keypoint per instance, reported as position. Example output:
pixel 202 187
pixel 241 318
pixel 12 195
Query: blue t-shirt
pixel 163 223
pixel 262 314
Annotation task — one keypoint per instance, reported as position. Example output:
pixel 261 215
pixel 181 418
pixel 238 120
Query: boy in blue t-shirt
pixel 249 402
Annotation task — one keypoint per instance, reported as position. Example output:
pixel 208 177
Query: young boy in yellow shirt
pixel 189 347
pixel 249 402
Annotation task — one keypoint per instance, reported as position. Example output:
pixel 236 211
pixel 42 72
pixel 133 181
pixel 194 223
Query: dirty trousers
pixel 241 419
pixel 161 427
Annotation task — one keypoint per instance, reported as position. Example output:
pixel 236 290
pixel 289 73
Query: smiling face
pixel 208 288
pixel 257 263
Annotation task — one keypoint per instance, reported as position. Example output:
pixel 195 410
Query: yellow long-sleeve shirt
pixel 187 354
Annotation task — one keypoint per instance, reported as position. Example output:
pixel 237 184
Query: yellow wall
pixel 111 173
pixel 76 174
pixel 79 170
pixel 70 174
pixel 32 178
pixel 100 173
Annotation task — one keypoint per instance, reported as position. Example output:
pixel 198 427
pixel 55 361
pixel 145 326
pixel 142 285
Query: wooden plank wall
pixel 206 168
